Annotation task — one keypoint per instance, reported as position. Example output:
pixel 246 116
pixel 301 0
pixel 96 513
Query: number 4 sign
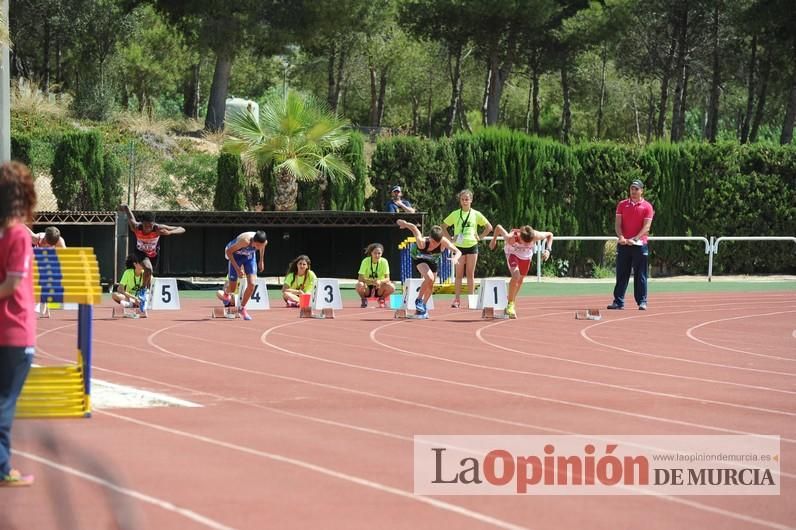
pixel 164 294
pixel 259 297
pixel 326 294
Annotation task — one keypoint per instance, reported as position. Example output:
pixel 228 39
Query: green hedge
pixel 426 171
pixel 21 147
pixel 349 195
pixel 78 172
pixel 696 189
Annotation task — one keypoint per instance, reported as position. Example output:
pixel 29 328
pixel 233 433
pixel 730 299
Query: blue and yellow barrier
pixel 64 275
pixel 445 275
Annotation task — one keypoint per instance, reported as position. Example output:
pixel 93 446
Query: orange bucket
pixel 304 300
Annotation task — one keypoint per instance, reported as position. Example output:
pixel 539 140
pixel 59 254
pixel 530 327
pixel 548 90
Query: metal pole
pixel 710 258
pixel 130 174
pixel 121 244
pixel 538 263
pixel 5 90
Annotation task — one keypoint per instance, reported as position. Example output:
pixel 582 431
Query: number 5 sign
pixel 164 294
pixel 326 294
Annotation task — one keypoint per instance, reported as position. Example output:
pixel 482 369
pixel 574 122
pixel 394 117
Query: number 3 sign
pixel 326 294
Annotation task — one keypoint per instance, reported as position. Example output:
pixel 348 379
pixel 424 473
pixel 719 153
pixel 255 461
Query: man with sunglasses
pixel 396 202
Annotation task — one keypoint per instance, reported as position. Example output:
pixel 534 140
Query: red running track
pixel 309 423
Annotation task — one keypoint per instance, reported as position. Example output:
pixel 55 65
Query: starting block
pixel 231 311
pixel 307 312
pixel 491 313
pixel 588 314
pixel 401 313
pixel 42 309
pixel 128 312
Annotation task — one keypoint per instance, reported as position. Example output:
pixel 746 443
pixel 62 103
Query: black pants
pixel 636 258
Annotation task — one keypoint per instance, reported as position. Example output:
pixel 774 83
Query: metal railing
pixel 711 245
pixel 714 245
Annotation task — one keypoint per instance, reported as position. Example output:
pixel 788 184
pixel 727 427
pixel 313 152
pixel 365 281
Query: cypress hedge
pixel 230 192
pixel 696 189
pixel 78 171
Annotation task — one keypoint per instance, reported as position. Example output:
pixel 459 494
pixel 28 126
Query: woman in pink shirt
pixel 17 318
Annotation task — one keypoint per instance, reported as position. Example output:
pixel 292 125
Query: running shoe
pixel 456 303
pixel 16 479
pixel 510 312
pixel 364 303
pixel 420 306
pixel 382 303
pixel 245 314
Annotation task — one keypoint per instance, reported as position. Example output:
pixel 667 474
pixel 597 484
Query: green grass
pixel 531 288
pixel 564 288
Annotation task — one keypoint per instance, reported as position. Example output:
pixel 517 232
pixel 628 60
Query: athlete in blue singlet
pixel 241 253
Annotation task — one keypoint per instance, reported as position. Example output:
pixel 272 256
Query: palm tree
pixel 298 136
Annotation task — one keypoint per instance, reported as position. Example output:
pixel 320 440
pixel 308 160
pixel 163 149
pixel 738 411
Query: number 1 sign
pixel 492 294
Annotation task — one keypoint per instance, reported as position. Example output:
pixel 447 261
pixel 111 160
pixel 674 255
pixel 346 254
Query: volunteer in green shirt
pixel 374 276
pixel 132 281
pixel 299 280
pixel 466 222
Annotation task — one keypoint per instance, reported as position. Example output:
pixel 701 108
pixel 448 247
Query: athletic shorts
pixel 141 256
pixel 468 250
pixel 524 265
pixel 371 291
pixel 432 263
pixel 247 263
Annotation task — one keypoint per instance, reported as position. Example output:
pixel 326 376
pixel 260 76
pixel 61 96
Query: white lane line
pixel 376 486
pixel 690 333
pixel 585 335
pixel 143 497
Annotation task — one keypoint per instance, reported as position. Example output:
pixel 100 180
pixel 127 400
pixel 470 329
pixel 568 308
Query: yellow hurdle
pixel 64 275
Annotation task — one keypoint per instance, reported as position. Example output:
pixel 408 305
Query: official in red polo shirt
pixel 633 220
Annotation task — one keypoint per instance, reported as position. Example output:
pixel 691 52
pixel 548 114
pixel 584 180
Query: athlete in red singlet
pixel 518 246
pixel 147 244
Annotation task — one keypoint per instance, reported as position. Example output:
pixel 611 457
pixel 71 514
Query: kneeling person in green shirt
pixel 374 276
pixel 132 281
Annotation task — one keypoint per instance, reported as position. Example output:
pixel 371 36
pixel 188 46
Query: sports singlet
pixel 424 253
pixel 515 245
pixel 147 243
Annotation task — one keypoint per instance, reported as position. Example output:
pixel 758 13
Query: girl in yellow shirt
pixel 374 276
pixel 299 280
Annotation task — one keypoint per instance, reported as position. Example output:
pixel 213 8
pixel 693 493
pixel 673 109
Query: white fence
pixel 711 245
